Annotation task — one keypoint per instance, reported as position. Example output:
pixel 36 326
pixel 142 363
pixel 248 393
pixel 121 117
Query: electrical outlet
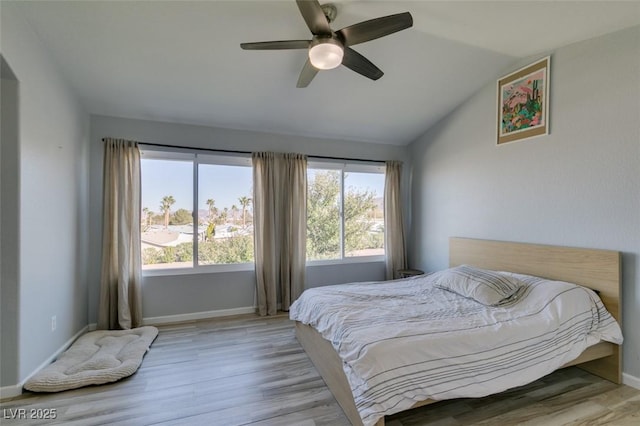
pixel 53 323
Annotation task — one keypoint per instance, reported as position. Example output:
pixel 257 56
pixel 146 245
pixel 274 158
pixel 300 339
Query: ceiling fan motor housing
pixel 328 49
pixel 330 11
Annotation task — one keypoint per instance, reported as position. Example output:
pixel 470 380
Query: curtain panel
pixel 394 238
pixel 280 228
pixel 120 286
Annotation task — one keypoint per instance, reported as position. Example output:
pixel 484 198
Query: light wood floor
pixel 251 370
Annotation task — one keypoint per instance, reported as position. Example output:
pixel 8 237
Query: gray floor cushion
pixel 97 357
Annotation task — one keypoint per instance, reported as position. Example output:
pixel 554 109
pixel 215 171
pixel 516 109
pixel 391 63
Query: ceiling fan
pixel 328 49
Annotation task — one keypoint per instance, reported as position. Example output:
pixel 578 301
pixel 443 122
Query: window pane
pixel 167 221
pixel 363 214
pixel 323 214
pixel 225 216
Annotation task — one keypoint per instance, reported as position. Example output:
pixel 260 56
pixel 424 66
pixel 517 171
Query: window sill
pixel 205 269
pixel 249 267
pixel 346 260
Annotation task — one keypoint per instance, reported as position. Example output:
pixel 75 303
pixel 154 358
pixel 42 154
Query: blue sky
pixel 224 184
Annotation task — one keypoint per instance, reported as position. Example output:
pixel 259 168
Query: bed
pixel 598 270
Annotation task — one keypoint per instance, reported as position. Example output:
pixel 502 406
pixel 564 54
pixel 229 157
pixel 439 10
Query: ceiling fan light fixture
pixel 329 49
pixel 326 54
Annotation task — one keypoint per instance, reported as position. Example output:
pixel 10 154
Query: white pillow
pixel 487 287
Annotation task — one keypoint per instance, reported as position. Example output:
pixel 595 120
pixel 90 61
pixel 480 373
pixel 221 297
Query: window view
pixel 345 215
pixel 224 227
pixel 323 214
pixel 167 220
pixel 225 214
pixel 363 214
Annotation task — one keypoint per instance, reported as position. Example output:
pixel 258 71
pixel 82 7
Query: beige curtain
pixel 280 228
pixel 120 286
pixel 394 243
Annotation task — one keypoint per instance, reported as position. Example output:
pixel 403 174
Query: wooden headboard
pixel 596 269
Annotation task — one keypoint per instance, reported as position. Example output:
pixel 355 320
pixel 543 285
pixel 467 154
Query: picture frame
pixel 523 103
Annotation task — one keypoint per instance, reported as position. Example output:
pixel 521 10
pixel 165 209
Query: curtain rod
pixel 231 151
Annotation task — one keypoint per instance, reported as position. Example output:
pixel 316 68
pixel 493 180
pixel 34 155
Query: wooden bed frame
pixel 595 269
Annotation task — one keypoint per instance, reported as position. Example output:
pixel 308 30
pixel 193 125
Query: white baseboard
pixel 10 391
pixel 630 380
pixel 167 319
pixel 16 390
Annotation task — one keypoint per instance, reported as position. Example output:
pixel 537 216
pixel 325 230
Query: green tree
pixel 165 208
pixel 210 232
pixel 238 249
pixel 151 256
pixel 147 215
pixel 183 252
pixel 168 255
pixel 212 210
pixel 244 202
pixel 157 218
pixel 358 206
pixel 224 216
pixel 323 217
pixel 234 213
pixel 181 217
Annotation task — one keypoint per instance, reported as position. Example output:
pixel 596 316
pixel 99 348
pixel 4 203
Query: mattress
pixel 408 340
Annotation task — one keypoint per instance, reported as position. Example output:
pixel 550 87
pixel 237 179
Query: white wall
pixel 189 294
pixel 578 186
pixel 52 223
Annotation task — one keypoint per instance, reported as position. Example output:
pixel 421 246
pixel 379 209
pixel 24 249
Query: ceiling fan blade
pixel 358 63
pixel 375 28
pixel 307 74
pixel 276 45
pixel 314 17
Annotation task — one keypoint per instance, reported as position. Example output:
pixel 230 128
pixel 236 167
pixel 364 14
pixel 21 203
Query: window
pixel 345 217
pixel 224 194
pixel 197 211
pixel 217 188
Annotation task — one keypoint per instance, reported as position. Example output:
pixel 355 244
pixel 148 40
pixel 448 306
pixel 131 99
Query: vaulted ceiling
pixel 180 61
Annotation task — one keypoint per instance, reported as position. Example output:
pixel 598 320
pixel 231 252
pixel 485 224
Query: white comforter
pixel 404 341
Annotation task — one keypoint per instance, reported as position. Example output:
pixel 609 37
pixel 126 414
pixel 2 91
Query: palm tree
pixel 165 207
pixel 224 215
pixel 211 202
pixel 146 216
pixel 244 202
pixel 234 213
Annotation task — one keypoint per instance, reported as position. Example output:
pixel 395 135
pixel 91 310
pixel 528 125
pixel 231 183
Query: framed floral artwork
pixel 523 103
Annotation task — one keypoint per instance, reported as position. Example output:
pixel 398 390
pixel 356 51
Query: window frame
pixel 346 167
pixel 244 160
pixel 196 158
